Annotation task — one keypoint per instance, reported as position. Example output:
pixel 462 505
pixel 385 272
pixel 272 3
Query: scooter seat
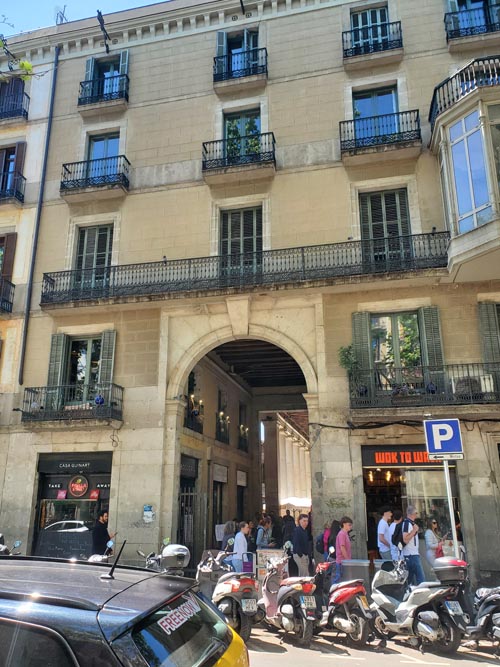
pixel 295 580
pixel 236 575
pixel 341 584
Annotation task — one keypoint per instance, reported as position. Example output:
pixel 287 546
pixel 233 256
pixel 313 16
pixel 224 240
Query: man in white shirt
pixel 410 551
pixel 240 546
pixel 384 534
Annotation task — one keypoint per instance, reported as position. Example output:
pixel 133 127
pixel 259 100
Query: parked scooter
pixel 103 558
pixel 235 594
pixel 289 603
pixel 6 551
pixel 173 559
pixel 486 621
pixel 429 614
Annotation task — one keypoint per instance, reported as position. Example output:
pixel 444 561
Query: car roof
pixel 130 596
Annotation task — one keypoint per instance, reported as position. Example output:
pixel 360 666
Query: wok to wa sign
pixel 387 456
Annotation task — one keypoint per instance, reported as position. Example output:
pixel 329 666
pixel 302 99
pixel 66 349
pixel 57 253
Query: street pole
pixel 450 508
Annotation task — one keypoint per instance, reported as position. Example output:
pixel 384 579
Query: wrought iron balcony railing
pixel 252 149
pixel 221 429
pixel 243 443
pixel 96 173
pixel 12 185
pixel 270 267
pixel 103 89
pixel 458 384
pixel 66 402
pixel 193 422
pixel 480 73
pixel 239 65
pixel 372 39
pixel 14 106
pixel 387 129
pixel 472 22
pixel 6 295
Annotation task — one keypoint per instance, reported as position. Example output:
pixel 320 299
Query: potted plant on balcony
pixel 349 361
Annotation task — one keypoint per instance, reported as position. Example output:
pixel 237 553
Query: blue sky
pixel 32 14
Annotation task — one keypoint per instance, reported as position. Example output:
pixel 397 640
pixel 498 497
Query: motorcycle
pixel 289 603
pixel 6 551
pixel 173 559
pixel 234 594
pixel 486 617
pixel 429 614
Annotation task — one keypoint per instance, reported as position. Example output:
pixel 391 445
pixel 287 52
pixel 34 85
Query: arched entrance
pixel 242 433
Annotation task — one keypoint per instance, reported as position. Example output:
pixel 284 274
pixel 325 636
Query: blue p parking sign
pixel 443 439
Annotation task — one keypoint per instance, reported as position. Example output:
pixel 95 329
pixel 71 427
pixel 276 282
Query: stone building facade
pixel 315 176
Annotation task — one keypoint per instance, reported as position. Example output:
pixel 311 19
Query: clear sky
pixel 31 14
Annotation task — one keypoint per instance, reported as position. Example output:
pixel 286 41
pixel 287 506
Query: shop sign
pixel 78 486
pixel 189 467
pixel 61 494
pixel 387 456
pixel 71 464
pixel 241 478
pixel 220 473
pixel 94 494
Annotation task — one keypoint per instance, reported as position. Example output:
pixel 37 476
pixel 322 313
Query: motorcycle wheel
pixel 360 636
pixel 381 630
pixel 244 626
pixel 451 641
pixel 304 636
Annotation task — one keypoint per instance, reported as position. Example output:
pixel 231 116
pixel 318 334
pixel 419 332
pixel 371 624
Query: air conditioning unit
pixel 473 384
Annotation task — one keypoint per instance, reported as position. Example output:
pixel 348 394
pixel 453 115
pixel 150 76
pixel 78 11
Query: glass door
pixel 109 77
pixel 368 28
pixel 103 158
pixel 242 136
pixel 471 15
pixel 83 370
pixel 375 117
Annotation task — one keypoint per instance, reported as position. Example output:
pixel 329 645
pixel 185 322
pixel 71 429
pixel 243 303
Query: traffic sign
pixel 443 439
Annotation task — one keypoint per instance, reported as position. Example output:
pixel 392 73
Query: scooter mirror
pixel 230 542
pixel 287 545
pixel 331 550
pixel 401 546
pixel 17 544
pixel 110 544
pixel 166 541
pixel 141 553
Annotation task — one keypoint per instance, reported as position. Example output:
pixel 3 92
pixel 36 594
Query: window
pixel 32 646
pixel 222 418
pixel 93 256
pixel 237 54
pixel 13 101
pixel 242 134
pixel 395 340
pixel 106 78
pixel 7 253
pixel 103 157
pixel 375 113
pixel 241 243
pixel 469 173
pixel 494 116
pixel 370 27
pixel 243 429
pixel 473 16
pixel 11 168
pixel 385 225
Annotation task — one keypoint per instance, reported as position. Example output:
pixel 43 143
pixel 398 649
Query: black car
pixel 56 613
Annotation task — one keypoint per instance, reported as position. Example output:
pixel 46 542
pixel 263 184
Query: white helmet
pixel 175 556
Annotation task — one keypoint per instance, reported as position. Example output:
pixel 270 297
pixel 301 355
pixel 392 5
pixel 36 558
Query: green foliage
pixel 347 358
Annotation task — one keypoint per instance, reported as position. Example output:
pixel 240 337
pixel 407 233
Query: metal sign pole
pixel 450 508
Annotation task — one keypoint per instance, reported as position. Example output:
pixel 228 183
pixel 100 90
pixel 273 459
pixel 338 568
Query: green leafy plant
pixel 347 358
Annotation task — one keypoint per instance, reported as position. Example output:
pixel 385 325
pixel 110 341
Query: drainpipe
pixel 36 231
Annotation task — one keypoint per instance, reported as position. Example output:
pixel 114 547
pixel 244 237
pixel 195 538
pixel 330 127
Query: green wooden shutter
pixel 221 48
pixel 124 62
pixel 89 69
pixel 430 337
pixel 107 356
pixel 20 154
pixel 57 360
pixel 361 340
pixel 9 252
pixel 490 331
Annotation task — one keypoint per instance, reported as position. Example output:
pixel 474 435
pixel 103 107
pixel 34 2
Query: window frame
pixel 53 634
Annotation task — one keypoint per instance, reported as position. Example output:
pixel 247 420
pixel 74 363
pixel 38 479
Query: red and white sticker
pixel 177 617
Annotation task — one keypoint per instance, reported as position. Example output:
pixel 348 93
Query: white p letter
pixel 441 433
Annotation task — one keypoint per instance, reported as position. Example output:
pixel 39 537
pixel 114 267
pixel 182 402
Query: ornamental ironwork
pixel 14 106
pixel 372 39
pixel 12 185
pixel 96 173
pixel 6 295
pixel 239 65
pixel 384 130
pixel 250 149
pixel 104 89
pixel 76 401
pixel 471 22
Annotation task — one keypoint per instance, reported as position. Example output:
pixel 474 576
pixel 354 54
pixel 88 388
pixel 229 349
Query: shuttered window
pixel 489 323
pixel 62 351
pixel 94 247
pixel 11 165
pixel 384 214
pixel 7 254
pixel 241 231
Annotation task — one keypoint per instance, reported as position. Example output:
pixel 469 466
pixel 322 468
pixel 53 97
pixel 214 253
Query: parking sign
pixel 443 439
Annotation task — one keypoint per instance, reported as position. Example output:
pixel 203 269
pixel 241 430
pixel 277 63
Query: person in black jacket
pixel 301 546
pixel 100 535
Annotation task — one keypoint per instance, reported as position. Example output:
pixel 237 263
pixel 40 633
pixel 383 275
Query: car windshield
pixel 183 633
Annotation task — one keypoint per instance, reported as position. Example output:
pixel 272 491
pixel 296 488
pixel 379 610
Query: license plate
pixel 454 607
pixel 308 602
pixel 364 602
pixel 249 605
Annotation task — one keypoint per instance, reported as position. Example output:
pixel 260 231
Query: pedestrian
pixel 301 546
pixel 326 538
pixel 276 531
pixel 397 518
pixel 252 537
pixel 100 534
pixel 383 534
pixel 229 533
pixel 240 546
pixel 433 542
pixel 410 550
pixel 342 546
pixel 264 538
pixel 288 526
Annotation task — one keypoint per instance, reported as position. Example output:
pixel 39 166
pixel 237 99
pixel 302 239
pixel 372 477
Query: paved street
pixel 267 650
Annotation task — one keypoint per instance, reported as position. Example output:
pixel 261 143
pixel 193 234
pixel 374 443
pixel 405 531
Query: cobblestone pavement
pixel 268 649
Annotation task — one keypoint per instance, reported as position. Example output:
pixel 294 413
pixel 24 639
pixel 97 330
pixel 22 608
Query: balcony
pixel 240 71
pixel 69 402
pixel 466 28
pixel 193 421
pixel 221 429
pixel 479 74
pixel 6 295
pixel 247 270
pixel 14 106
pixel 458 384
pixel 249 157
pixel 381 43
pixel 104 178
pixel 243 443
pixel 398 133
pixel 104 95
pixel 12 186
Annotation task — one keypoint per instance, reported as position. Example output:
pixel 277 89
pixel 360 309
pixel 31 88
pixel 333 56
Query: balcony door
pixel 470 15
pixel 241 245
pixel 237 53
pixel 375 119
pixel 83 369
pixel 109 73
pixel 103 158
pixel 385 229
pixel 242 136
pixel 370 28
pixel 93 259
